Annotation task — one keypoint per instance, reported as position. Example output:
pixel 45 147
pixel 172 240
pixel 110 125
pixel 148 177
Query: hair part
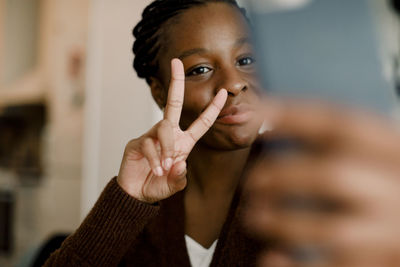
pixel 147 32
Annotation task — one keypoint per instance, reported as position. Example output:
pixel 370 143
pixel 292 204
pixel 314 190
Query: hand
pixel 334 199
pixel 153 166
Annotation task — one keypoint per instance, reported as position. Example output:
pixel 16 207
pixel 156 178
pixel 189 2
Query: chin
pixel 242 140
pixel 230 140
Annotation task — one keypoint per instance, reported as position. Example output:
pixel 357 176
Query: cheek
pixel 256 87
pixel 195 102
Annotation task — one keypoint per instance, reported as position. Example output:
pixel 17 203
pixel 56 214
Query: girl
pixel 143 218
pixel 177 200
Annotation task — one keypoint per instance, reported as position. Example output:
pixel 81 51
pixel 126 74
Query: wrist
pixel 132 191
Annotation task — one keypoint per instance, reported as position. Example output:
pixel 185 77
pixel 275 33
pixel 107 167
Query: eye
pixel 246 61
pixel 198 71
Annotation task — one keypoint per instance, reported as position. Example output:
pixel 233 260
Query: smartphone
pixel 321 49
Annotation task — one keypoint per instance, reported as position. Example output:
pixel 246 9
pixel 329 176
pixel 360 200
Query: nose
pixel 232 80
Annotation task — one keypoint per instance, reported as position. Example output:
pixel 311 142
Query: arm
pixel 107 232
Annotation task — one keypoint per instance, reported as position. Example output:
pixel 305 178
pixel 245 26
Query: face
pixel 213 43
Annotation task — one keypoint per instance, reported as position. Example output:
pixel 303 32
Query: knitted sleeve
pixel 105 235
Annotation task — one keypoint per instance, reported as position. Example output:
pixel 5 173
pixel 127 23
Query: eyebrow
pixel 242 41
pixel 238 43
pixel 191 52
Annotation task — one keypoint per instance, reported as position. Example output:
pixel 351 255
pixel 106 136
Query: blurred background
pixel 69 102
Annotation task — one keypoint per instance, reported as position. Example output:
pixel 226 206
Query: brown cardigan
pixel 122 231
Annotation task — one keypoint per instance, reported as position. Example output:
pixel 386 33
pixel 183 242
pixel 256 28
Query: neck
pixel 214 172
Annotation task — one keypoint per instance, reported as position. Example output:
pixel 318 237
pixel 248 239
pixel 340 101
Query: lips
pixel 236 114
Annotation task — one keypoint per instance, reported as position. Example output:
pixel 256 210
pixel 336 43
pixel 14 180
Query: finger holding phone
pixel 333 199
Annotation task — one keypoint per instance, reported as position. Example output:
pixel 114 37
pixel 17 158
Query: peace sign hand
pixel 153 166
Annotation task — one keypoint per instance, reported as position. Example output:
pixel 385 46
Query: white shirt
pixel 199 256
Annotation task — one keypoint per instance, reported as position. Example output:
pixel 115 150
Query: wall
pixel 20 37
pixel 51 204
pixel 119 106
pixel 2 21
pixel 65 25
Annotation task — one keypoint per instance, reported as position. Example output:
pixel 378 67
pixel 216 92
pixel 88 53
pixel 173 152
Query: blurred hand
pixel 332 198
pixel 153 166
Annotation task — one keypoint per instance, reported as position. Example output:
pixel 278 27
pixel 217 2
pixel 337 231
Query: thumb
pixel 177 177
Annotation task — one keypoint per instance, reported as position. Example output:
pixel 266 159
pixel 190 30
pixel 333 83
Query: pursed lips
pixel 235 114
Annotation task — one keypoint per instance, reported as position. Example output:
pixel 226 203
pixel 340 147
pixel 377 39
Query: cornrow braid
pixel 148 31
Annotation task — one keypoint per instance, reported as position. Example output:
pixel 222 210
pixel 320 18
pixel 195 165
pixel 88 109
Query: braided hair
pixel 148 31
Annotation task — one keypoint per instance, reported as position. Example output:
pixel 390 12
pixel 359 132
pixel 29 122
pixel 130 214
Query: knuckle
pixel 146 143
pixel 168 150
pixel 178 77
pixel 181 184
pixel 206 121
pixel 215 106
pixel 175 103
pixel 192 136
pixel 183 174
pixel 178 185
pixel 131 145
pixel 164 124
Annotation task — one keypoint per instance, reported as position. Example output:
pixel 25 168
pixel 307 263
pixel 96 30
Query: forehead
pixel 211 26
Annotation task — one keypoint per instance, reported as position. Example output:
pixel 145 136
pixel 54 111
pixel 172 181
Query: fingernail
pixel 167 164
pixel 158 171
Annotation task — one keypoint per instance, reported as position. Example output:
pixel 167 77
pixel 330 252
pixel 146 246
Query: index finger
pixel 334 125
pixel 201 125
pixel 176 92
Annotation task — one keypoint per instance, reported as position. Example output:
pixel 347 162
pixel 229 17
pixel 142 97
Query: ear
pixel 158 92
